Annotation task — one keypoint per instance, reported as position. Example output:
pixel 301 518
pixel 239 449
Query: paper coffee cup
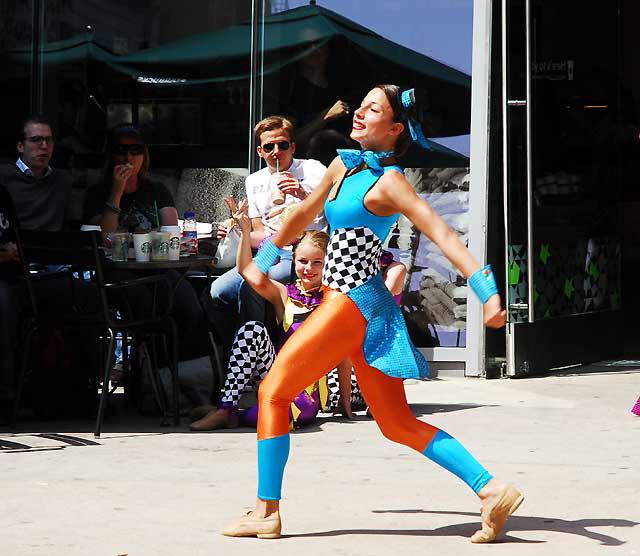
pixel 160 246
pixel 174 241
pixel 142 247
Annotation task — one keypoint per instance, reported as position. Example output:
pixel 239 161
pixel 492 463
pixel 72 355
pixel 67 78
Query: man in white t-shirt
pixel 300 177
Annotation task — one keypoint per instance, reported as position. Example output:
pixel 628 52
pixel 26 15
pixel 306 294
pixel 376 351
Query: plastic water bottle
pixel 190 233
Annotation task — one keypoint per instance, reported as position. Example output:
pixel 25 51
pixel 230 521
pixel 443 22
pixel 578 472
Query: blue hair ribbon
pixel 415 129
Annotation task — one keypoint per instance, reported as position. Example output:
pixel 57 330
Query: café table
pixel 192 262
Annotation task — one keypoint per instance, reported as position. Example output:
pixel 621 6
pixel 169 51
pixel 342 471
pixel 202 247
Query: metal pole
pixel 529 163
pixel 479 168
pixel 37 25
pixel 254 86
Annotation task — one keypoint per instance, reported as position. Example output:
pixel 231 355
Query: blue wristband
pixel 267 256
pixel 483 283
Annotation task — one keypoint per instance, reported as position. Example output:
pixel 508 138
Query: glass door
pixel 562 114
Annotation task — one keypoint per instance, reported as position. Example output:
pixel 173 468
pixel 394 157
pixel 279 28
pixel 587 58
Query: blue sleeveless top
pixel 352 266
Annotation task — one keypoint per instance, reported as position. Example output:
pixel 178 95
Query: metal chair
pixel 79 252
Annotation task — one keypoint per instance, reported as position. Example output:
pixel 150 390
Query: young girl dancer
pixel 253 350
pixel 362 195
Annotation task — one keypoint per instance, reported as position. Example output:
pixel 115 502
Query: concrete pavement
pixel 569 442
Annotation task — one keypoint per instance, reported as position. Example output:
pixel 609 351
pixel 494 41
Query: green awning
pixel 225 55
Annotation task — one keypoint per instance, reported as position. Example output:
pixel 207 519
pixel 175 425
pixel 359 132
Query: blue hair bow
pixel 352 158
pixel 408 100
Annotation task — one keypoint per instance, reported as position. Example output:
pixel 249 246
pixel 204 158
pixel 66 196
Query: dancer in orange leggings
pixel 362 194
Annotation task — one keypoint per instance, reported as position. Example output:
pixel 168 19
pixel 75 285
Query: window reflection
pixel 328 57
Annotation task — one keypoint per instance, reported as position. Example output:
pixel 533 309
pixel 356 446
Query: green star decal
pixel 544 253
pixel 594 272
pixel 514 273
pixel 568 288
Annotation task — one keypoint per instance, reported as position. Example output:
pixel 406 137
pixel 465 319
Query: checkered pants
pixel 252 355
pixel 333 385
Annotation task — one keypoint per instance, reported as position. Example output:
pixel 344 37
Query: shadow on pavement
pixel 420 409
pixel 121 420
pixel 517 523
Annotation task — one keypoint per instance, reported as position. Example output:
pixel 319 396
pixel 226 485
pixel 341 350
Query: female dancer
pixel 362 194
pixel 253 351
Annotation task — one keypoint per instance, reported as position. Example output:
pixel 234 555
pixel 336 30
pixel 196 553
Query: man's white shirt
pixel 307 172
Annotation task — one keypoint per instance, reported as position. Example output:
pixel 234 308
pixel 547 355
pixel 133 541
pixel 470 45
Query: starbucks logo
pixel 145 247
pixel 174 243
pixel 164 247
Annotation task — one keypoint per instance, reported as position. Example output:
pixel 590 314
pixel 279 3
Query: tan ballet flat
pixel 496 513
pixel 251 525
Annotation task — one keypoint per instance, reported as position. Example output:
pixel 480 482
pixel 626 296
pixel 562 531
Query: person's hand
pixel 9 252
pixel 339 109
pixel 241 217
pixel 239 214
pixel 222 231
pixel 494 315
pixel 291 186
pixel 121 173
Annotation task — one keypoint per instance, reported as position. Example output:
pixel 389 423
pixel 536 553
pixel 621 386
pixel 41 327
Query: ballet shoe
pixel 251 525
pixel 495 514
pixel 216 419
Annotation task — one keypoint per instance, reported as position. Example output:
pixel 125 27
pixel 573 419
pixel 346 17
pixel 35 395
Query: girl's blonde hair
pixel 316 237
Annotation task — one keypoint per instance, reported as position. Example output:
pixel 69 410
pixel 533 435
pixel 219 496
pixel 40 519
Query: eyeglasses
pixel 126 148
pixel 282 145
pixel 39 139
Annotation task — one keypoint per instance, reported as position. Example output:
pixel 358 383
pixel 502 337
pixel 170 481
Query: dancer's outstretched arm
pixel 395 194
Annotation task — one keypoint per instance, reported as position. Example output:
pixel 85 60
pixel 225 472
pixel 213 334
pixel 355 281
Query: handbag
pixel 227 249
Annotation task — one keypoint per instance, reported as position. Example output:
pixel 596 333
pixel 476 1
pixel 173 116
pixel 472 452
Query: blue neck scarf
pixel 353 158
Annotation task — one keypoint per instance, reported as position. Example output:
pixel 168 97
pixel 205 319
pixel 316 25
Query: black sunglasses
pixel 125 148
pixel 282 145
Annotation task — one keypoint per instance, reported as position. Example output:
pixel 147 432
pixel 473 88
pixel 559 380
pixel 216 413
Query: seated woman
pixel 126 199
pixel 253 350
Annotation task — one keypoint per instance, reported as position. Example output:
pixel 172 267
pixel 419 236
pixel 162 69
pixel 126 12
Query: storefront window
pixel 16 35
pixel 180 75
pixel 319 61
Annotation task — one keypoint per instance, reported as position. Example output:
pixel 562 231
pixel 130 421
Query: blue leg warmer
pixel 454 457
pixel 272 457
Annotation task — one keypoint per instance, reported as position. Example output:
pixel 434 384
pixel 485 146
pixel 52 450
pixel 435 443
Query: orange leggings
pixel 333 332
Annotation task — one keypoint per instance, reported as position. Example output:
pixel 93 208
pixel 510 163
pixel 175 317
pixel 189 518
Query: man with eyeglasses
pixel 300 177
pixel 33 196
pixel 41 194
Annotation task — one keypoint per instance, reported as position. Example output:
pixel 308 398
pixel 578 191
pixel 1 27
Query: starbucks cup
pixel 277 195
pixel 160 246
pixel 142 247
pixel 174 241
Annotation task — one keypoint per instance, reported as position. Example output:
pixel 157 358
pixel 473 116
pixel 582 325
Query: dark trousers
pixel 9 331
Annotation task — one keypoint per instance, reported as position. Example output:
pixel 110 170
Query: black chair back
pixel 77 251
